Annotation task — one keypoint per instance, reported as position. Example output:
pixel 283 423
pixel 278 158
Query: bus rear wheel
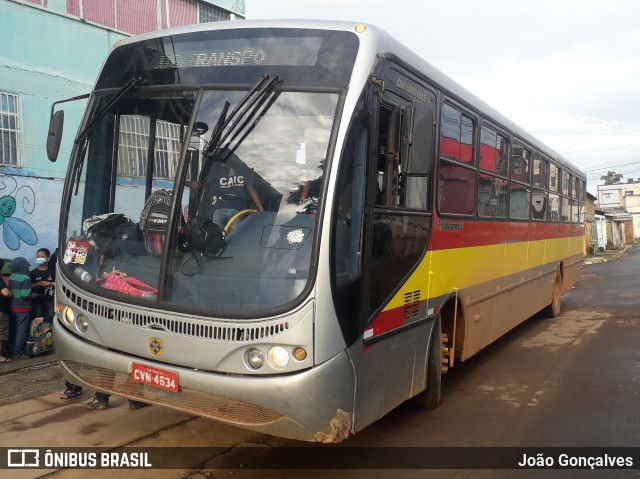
pixel 553 309
pixel 430 397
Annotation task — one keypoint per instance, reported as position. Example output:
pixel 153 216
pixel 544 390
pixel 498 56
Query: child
pixel 20 286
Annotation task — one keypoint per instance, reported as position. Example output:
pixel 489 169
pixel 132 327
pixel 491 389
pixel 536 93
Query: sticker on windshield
pixel 76 252
pixel 295 236
pixel 284 237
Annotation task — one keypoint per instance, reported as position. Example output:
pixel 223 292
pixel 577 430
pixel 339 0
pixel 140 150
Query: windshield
pixel 245 213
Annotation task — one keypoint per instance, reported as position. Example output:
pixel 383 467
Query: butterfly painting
pixel 16 230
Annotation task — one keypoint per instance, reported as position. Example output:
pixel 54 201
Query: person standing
pixel 42 283
pixel 71 391
pixel 20 286
pixel 5 304
pixel 101 401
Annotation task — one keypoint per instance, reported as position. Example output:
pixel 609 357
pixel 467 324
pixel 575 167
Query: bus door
pixel 395 327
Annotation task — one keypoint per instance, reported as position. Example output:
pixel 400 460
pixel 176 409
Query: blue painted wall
pixel 44 57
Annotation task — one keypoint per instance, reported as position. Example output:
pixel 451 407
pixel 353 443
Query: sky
pixel 567 71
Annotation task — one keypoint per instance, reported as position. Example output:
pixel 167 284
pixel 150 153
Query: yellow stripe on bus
pixel 461 268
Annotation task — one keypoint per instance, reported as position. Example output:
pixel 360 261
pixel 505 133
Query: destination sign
pixel 242 52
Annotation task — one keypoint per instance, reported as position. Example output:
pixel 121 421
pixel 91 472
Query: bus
pixel 386 226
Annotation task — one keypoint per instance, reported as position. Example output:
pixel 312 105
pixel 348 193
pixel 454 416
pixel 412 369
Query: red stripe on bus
pixel 386 321
pixel 453 233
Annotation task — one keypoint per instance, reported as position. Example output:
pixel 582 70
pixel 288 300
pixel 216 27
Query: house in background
pixel 52 50
pixel 590 225
pixel 620 204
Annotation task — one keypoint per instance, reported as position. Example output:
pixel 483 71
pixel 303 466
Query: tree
pixel 611 178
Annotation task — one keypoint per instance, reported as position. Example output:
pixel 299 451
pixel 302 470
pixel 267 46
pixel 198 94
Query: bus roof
pixel 375 41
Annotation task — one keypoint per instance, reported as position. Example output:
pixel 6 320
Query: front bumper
pixel 311 405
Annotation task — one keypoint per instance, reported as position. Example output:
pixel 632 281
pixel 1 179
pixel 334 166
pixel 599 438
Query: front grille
pixel 186 399
pixel 192 328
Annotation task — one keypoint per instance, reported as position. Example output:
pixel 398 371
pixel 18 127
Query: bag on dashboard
pixel 101 230
pixel 205 237
pixel 129 239
pixel 154 220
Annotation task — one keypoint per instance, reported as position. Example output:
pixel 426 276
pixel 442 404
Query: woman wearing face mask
pixel 42 284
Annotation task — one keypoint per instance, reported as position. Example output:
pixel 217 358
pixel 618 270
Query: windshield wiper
pixel 80 140
pixel 246 109
pixel 217 130
pixel 126 88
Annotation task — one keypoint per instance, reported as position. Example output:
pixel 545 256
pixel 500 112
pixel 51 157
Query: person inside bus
pixel 307 193
pixel 230 185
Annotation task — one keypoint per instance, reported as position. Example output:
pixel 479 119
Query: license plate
pixel 154 377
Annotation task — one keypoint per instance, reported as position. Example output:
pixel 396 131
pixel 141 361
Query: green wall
pixel 45 56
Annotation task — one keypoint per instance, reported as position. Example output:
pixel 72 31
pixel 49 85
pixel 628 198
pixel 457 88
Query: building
pixel 620 204
pixel 51 50
pixel 590 225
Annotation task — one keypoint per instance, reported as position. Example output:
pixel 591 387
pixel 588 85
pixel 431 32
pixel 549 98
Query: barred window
pixel 209 13
pixel 10 129
pixel 134 146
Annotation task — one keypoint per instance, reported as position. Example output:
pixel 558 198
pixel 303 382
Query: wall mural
pixel 19 201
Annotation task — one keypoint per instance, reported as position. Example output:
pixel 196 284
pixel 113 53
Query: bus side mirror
pixel 417 140
pixel 54 137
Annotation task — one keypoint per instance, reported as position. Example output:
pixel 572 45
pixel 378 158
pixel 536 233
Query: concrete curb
pixel 28 364
pixel 605 256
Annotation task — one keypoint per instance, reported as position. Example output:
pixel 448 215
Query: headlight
pixel 255 358
pixel 82 324
pixel 278 357
pixel 68 315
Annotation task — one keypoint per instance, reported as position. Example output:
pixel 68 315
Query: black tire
pixel 430 397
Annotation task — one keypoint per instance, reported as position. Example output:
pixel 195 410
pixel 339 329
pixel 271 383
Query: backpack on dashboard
pixel 154 219
pixel 101 231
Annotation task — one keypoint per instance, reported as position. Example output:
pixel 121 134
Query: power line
pixel 622 131
pixel 617 164
pixel 613 168
pixel 634 129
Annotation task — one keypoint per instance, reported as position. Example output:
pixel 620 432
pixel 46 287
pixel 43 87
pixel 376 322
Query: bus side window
pixel 405 146
pixel 520 160
pixel 387 164
pixel 417 153
pixel 456 174
pixel 539 200
pixel 456 189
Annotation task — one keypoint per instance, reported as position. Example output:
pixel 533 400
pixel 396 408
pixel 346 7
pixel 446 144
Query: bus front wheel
pixel 430 397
